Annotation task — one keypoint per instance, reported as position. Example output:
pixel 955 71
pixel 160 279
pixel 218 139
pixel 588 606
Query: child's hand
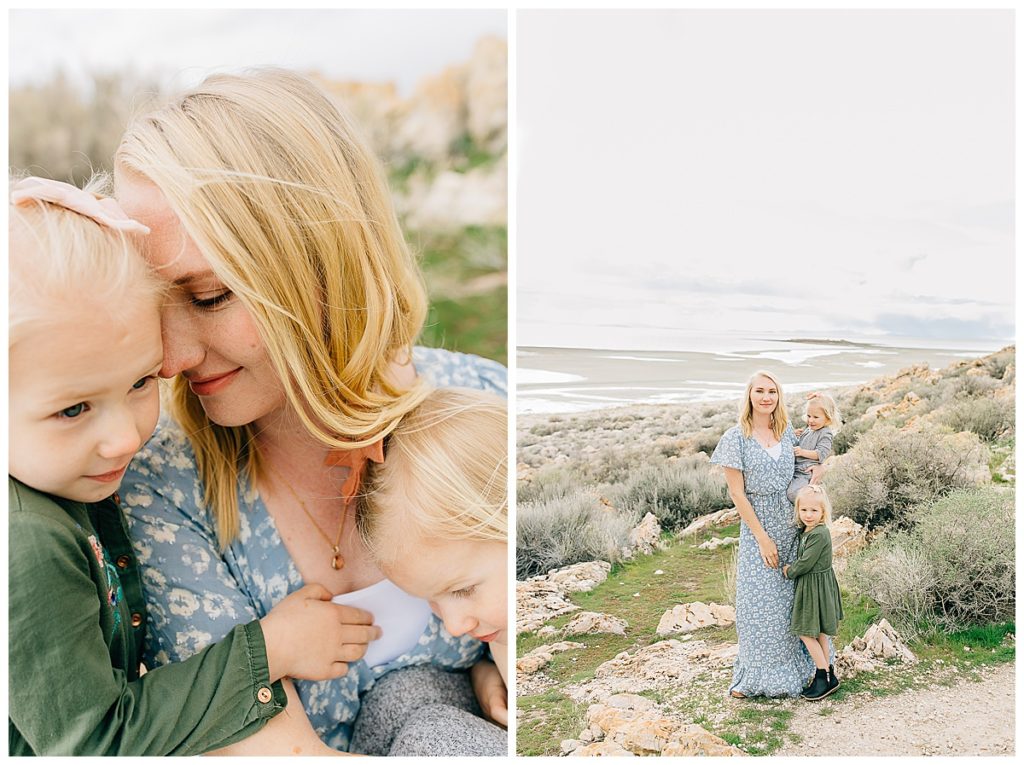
pixel 310 638
pixel 785 571
pixel 490 691
pixel 799 432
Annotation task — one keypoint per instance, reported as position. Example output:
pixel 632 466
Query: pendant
pixel 337 562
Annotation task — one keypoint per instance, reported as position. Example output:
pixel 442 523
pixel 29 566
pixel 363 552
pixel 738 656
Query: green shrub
pixel 849 433
pixel 971 386
pixel 954 569
pixel 899 578
pixel 570 529
pixel 676 492
pixel 989 418
pixel 969 537
pixel 890 471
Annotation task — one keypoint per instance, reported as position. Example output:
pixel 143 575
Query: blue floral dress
pixel 771 660
pixel 195 593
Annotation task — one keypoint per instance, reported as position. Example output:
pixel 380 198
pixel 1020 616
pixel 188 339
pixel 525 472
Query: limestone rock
pixel 487 95
pixel 542 598
pixel 715 542
pixel 848 537
pixel 601 749
pixel 538 601
pixel 590 622
pixel 580 577
pixel 541 656
pixel 879 644
pixel 688 617
pixel 725 517
pixel 694 741
pixel 646 537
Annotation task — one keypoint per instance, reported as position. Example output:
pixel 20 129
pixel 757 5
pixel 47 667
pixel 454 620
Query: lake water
pixel 577 379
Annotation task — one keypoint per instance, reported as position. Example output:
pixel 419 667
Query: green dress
pixel 817 607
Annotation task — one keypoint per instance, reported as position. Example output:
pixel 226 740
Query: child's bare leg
pixel 814 649
pixel 825 647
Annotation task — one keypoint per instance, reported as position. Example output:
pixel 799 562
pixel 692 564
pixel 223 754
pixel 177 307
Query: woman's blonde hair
pixel 828 406
pixel 60 259
pixel 812 490
pixel 444 476
pixel 291 210
pixel 779 417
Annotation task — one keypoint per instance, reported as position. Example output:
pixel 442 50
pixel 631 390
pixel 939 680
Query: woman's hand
pixel 817 471
pixel 490 691
pixel 769 552
pixel 309 637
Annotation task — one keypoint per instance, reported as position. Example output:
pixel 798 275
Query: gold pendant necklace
pixel 337 561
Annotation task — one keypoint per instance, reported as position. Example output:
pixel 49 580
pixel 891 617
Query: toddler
pixel 815 443
pixel 434 515
pixel 817 607
pixel 84 355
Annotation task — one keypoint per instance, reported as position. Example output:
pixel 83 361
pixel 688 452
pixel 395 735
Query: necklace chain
pixel 337 561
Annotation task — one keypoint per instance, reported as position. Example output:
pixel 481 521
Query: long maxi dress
pixel 771 660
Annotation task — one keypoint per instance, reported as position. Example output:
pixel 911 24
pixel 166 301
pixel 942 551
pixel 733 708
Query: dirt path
pixel 970 718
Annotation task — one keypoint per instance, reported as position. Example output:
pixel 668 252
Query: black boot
pixel 833 681
pixel 818 689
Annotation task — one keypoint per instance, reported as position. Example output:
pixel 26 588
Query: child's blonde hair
pixel 444 476
pixel 60 258
pixel 289 206
pixel 779 417
pixel 813 490
pixel 828 406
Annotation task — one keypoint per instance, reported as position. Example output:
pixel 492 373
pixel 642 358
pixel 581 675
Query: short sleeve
pixel 449 369
pixel 192 596
pixel 729 452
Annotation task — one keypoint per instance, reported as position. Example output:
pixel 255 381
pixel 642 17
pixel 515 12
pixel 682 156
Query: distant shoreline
pixel 571 380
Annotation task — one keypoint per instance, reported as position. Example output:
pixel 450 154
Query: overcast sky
pixel 180 47
pixel 803 173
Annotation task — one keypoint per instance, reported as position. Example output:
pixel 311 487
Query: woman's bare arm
pixel 738 494
pixel 290 733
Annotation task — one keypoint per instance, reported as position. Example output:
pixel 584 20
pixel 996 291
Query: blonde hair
pixel 813 490
pixel 779 417
pixel 61 259
pixel 444 476
pixel 292 212
pixel 828 406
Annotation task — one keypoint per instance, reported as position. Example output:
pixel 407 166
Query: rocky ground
pixel 974 716
pixel 667 698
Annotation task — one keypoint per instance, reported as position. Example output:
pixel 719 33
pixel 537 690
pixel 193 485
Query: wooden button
pixel 117 498
pixel 136 620
pixel 264 695
pixel 123 561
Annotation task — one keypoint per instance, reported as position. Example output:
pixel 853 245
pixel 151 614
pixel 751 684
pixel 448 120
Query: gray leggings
pixel 425 711
pixel 800 480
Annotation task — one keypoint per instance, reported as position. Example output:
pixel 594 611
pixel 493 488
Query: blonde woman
pixel 757 455
pixel 288 334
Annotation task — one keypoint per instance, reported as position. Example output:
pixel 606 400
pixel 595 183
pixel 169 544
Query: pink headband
pixel 103 210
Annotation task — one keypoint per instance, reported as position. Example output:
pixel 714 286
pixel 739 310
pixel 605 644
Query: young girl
pixel 84 354
pixel 815 441
pixel 434 514
pixel 817 607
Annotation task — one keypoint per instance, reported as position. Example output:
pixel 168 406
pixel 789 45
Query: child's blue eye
pixel 139 385
pixel 465 592
pixel 72 411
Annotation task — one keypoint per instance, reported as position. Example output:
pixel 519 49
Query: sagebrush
pixel 572 528
pixel 890 471
pixel 953 569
